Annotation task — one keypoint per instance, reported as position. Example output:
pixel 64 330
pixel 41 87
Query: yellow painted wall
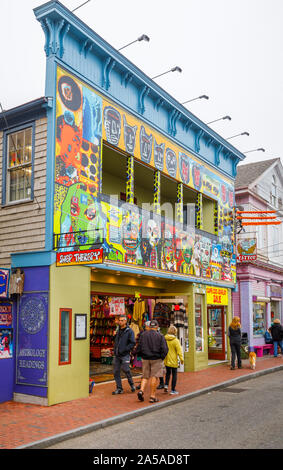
pixel 69 288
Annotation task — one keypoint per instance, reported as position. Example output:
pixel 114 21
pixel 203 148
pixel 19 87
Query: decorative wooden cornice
pixel 109 64
pixel 55 32
pixel 142 94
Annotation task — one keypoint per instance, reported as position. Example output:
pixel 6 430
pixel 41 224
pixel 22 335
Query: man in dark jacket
pixel 124 343
pixel 153 349
pixel 276 331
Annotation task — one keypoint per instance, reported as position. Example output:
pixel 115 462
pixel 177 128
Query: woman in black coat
pixel 235 336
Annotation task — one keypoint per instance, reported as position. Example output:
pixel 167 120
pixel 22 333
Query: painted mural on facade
pixel 84 118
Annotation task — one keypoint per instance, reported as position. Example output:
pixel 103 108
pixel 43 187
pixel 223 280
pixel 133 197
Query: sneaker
pixel 232 368
pixel 133 388
pixel 118 391
pixel 174 392
pixel 160 387
pixel 165 388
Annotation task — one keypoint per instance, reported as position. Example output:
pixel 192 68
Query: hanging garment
pixel 180 316
pixel 138 312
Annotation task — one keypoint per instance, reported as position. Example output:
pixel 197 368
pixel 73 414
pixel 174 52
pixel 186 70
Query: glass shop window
pixel 19 165
pixel 65 330
pixel 259 318
pixel 199 323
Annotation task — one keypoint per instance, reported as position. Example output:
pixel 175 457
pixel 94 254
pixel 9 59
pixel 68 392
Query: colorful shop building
pixel 115 199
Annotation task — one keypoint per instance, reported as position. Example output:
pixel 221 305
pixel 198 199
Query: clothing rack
pixel 169 301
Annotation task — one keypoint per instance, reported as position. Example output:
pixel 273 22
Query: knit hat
pixel 153 324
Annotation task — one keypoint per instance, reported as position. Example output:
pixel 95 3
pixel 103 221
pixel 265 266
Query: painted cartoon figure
pixel 168 261
pixel 184 252
pixel 112 124
pixel 131 236
pixel 184 167
pixel 197 177
pixel 145 145
pixel 151 244
pixel 158 155
pixel 129 136
pixel 171 162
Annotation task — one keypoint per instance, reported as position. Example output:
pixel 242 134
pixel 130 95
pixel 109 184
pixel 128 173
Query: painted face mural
pixel 129 136
pixel 83 118
pixel 145 145
pixel 112 124
pixel 197 177
pixel 171 162
pixel 184 167
pixel 81 218
pixel 131 236
pixel 70 93
pixel 159 155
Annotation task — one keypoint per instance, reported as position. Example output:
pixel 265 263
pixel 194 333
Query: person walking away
pixel 276 331
pixel 124 343
pixel 171 360
pixel 153 350
pixel 235 336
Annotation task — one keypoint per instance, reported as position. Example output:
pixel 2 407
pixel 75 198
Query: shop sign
pixel 216 296
pixel 5 315
pixel 73 258
pixel 275 291
pixel 4 283
pixel 32 340
pixel 117 306
pixel 246 249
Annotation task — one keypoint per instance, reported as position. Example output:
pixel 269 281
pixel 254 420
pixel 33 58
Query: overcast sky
pixel 230 50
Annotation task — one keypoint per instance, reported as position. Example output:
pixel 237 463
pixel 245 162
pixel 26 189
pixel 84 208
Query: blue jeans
pixel 276 347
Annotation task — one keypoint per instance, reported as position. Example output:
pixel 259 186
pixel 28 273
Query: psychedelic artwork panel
pixel 85 218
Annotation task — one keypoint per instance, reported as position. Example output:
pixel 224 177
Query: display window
pixel 105 312
pixel 275 307
pixel 259 318
pixel 199 323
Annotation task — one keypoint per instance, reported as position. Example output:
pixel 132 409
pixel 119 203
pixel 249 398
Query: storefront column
pixel 268 307
pixel 247 309
pixel 199 219
pixel 157 192
pixel 130 181
pixel 216 228
pixel 180 203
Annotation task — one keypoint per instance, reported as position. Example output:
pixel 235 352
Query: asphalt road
pixel 248 415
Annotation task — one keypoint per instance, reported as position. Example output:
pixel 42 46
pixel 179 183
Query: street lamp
pixel 174 69
pixel 197 98
pixel 255 150
pixel 220 119
pixel 237 135
pixel 143 37
pixel 80 6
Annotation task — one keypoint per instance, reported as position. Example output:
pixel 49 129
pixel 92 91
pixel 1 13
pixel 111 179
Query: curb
pixel 44 443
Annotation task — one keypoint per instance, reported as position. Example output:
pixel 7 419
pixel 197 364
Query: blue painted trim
pixel 51 15
pixel 51 75
pixel 32 259
pixel 6 133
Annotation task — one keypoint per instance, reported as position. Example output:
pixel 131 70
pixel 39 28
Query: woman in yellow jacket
pixel 171 360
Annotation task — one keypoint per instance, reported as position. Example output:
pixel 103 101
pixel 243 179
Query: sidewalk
pixel 34 426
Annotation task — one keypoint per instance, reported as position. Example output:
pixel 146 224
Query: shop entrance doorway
pixel 216 332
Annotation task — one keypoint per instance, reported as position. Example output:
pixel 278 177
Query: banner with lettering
pixel 32 337
pixel 216 296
